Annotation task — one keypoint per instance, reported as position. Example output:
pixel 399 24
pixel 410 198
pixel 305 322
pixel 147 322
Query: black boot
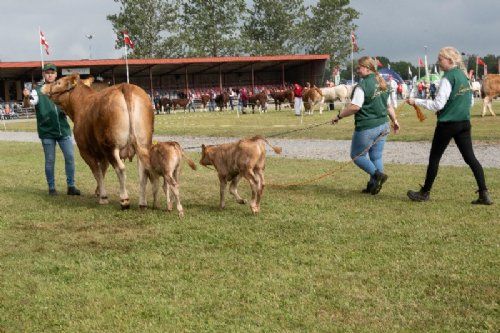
pixel 72 190
pixel 380 179
pixel 419 195
pixel 484 198
pixel 368 189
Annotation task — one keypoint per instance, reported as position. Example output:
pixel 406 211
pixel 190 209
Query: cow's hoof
pixel 125 204
pixel 181 214
pixel 143 207
pixel 255 209
pixel 242 201
pixel 103 200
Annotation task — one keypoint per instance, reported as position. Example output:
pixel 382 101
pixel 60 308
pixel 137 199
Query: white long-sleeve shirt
pixel 358 97
pixel 442 96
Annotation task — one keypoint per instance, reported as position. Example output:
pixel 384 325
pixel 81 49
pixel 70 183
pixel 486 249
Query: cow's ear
pixel 203 147
pixel 74 78
pixel 88 81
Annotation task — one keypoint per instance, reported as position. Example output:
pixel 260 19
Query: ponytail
pixel 369 63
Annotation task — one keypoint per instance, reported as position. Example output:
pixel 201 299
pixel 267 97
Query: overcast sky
pixel 397 29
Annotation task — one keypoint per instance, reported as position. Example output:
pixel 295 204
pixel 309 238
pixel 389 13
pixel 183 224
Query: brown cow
pixel 165 162
pixel 246 158
pixel 221 100
pixel 109 125
pixel 490 90
pixel 282 96
pixel 311 97
pixel 259 99
pixel 182 102
pixel 204 101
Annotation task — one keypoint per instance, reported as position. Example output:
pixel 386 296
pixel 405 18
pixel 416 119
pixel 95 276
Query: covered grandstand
pixel 175 74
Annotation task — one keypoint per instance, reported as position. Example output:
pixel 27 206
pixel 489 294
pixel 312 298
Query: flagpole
pixel 425 63
pixel 40 42
pixel 476 68
pixel 126 60
pixel 352 62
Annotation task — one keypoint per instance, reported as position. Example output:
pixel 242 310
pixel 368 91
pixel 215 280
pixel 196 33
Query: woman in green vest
pixel 369 105
pixel 53 128
pixel 452 105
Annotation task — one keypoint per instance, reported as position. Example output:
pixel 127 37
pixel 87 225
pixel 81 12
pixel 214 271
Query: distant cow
pixel 166 104
pixel 221 100
pixel 259 99
pixel 331 94
pixel 282 96
pixel 110 125
pixel 245 158
pixel 490 90
pixel 311 97
pixel 204 101
pixel 165 162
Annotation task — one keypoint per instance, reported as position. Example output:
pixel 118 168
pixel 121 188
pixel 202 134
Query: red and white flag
pixel 420 63
pixel 480 62
pixel 43 42
pixel 127 40
pixel 354 42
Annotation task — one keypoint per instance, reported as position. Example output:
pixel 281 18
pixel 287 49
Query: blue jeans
pixel 371 161
pixel 49 148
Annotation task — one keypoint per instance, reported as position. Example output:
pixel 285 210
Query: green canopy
pixel 432 77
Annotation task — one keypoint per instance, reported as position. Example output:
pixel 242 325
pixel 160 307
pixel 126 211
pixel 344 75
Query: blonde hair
pixel 452 54
pixel 370 63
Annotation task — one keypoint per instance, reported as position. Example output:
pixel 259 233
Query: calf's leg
pixel 223 184
pixel 233 189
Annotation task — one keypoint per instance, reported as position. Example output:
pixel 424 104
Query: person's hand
pixel 26 92
pixel 335 120
pixel 410 101
pixel 395 126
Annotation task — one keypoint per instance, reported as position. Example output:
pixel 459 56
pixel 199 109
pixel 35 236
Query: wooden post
pixel 186 78
pixel 283 75
pixel 220 79
pixel 113 75
pixel 253 81
pixel 151 82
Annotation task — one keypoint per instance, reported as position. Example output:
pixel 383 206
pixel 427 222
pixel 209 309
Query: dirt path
pixel 337 150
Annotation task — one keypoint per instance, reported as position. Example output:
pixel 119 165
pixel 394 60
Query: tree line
pixel 212 28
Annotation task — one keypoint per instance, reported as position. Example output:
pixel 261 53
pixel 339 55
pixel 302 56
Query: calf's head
pixel 206 155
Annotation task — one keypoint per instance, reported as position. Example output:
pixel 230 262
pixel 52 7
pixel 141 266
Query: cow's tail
pixel 186 158
pixel 140 124
pixel 276 149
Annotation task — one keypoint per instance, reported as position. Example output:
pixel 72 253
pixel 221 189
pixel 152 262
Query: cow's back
pixel 491 85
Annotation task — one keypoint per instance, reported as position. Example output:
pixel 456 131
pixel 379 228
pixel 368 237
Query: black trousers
pixel 460 132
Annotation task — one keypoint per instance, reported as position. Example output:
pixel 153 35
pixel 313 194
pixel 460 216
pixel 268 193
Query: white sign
pixel 81 71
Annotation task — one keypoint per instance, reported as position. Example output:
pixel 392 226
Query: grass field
pixel 226 124
pixel 319 258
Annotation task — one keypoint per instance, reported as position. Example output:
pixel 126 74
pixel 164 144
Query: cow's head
pixel 205 155
pixel 57 90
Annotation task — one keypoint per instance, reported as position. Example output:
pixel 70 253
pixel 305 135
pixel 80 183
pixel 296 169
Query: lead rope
pixel 334 170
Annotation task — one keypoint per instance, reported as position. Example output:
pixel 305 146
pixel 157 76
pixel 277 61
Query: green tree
pixel 150 24
pixel 210 27
pixel 271 26
pixel 401 67
pixel 327 29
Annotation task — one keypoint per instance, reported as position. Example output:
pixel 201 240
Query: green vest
pixel 458 106
pixel 51 122
pixel 373 112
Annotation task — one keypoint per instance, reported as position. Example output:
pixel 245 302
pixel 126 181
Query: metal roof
pixel 159 67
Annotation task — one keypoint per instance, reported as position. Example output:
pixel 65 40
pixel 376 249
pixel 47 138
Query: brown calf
pixel 165 162
pixel 246 158
pixel 490 90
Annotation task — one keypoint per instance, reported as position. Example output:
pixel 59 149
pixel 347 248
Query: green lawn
pixel 319 258
pixel 226 124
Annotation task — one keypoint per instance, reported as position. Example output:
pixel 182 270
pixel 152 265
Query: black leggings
pixel 460 132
